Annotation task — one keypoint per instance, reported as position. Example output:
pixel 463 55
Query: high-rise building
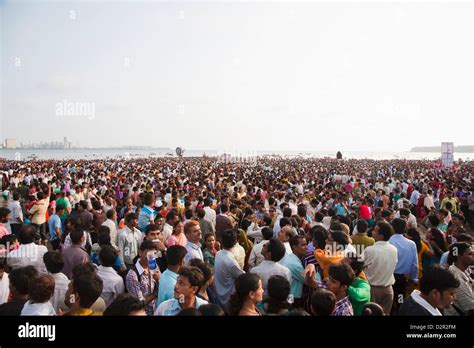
pixel 10 143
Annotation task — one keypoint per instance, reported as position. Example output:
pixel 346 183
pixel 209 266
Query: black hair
pixel 399 225
pixel 267 220
pixel 27 234
pixel 107 255
pixel 386 230
pixel 206 271
pixel 76 235
pixel 110 213
pixel 340 237
pixel 357 264
pixel 189 312
pixel 287 212
pixel 188 214
pixel 84 268
pixel 54 262
pixel 302 211
pixel 278 289
pixel 170 216
pixel 439 239
pixel 96 205
pixel 415 236
pixel 456 250
pixel 41 288
pixel 464 237
pixel 151 227
pixel 404 212
pixel 385 213
pixel 147 245
pixel 211 309
pixel 88 286
pixel 224 208
pixel 229 238
pixel 123 305
pixel 175 254
pixel 148 199
pixel 20 278
pixel 129 217
pixel 362 225
pixel 343 273
pixel 372 309
pixel 194 275
pixel 276 248
pixel 294 241
pixel 244 283
pixel 284 222
pixel 267 233
pixel 298 313
pixel 104 239
pixel 103 229
pixel 201 213
pixel 434 220
pixel 323 302
pixel 436 277
pixel 320 235
pixel 318 217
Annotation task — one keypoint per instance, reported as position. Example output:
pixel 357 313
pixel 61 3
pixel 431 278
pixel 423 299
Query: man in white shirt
pixel 286 233
pixel 54 263
pixel 380 261
pixel 192 231
pixel 113 283
pixel 111 216
pixel 429 202
pixel 210 213
pixel 129 240
pixel 226 268
pixel 171 218
pixel 273 252
pixel 414 196
pixel 256 256
pixel 404 213
pixel 16 214
pixel 28 253
pixel 286 214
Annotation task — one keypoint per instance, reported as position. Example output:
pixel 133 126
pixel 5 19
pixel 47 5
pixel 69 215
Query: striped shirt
pixel 343 307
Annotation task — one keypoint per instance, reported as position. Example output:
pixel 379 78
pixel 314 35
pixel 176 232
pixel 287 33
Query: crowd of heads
pixel 313 217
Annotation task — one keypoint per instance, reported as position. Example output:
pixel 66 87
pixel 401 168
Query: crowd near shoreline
pixel 236 236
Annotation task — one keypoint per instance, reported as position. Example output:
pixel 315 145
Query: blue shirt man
pixel 166 288
pixel 407 256
pixel 54 223
pixel 293 263
pixel 147 216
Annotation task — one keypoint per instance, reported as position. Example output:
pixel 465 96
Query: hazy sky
pixel 253 76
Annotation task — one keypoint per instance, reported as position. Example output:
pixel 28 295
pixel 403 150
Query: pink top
pixel 176 240
pixel 3 230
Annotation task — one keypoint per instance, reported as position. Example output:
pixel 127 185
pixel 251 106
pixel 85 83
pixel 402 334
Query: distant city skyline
pixel 252 76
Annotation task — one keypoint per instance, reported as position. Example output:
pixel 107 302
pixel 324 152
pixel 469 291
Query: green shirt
pixel 359 294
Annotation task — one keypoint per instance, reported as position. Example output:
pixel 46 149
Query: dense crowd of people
pixel 206 236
